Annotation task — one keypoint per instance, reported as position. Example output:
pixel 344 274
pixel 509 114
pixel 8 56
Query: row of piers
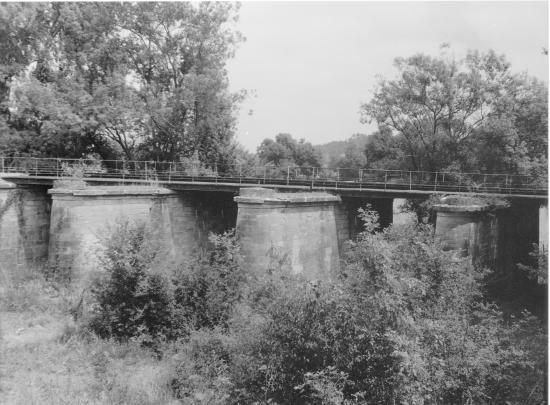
pixel 303 231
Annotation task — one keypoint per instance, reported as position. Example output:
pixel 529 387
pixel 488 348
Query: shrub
pixel 132 297
pixel 201 375
pixel 303 329
pixel 140 296
pixel 207 289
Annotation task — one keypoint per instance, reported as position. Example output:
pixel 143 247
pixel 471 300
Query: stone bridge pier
pixel 497 235
pixel 24 226
pixel 295 231
pixel 180 222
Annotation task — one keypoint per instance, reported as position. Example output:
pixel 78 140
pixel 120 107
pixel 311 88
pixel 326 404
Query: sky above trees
pixel 312 64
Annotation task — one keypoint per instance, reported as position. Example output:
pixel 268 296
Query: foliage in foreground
pixel 402 323
pixel 141 295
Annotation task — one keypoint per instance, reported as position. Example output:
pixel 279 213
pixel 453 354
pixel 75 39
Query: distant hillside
pixel 335 150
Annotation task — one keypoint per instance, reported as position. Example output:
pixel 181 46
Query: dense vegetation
pixel 403 322
pixel 132 80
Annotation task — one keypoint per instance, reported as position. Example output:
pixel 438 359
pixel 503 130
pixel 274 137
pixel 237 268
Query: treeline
pixel 149 81
pixel 401 322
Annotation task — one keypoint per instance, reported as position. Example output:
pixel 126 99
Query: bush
pixel 300 329
pixel 132 298
pixel 207 289
pixel 140 296
pixel 201 375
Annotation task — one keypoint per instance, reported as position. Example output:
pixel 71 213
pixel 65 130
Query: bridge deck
pixel 344 181
pixel 352 189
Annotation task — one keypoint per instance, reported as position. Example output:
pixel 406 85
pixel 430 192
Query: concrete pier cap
pixel 296 231
pixel 469 204
pixel 260 195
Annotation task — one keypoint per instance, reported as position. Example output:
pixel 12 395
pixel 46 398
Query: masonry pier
pixel 469 227
pixel 180 222
pixel 294 230
pixel 24 226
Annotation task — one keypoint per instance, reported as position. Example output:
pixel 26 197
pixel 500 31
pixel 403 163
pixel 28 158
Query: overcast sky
pixel 312 64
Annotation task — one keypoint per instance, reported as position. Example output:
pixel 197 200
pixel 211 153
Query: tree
pixel 286 150
pixel 144 80
pixel 178 53
pixel 439 108
pixel 385 151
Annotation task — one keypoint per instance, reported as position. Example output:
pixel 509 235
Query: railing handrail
pixel 289 173
pixel 210 164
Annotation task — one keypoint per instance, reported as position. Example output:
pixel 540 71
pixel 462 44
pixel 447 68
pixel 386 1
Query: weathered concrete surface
pixel 24 226
pixel 296 230
pixel 469 227
pixel 180 221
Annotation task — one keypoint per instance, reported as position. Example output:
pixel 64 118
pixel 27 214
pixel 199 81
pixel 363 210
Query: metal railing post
pixel 3 169
pixel 265 173
pixel 385 178
pixel 410 180
pixel 435 182
pixel 240 174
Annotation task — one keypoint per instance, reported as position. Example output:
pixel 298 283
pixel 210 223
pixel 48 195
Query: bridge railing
pixel 275 175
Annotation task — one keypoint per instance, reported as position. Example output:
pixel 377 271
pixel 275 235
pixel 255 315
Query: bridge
pixel 301 214
pixel 231 178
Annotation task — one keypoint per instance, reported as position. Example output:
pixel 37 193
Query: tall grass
pixel 47 358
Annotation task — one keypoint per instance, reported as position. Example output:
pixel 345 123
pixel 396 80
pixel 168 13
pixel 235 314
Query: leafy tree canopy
pixel 441 113
pixel 285 150
pixel 142 80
